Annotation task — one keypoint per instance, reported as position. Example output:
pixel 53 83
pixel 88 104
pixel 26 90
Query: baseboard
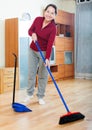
pixel 83 75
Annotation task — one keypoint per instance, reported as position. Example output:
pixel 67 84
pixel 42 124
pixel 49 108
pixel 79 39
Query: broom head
pixel 70 117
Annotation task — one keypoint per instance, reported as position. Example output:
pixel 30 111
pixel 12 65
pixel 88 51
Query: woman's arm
pixel 50 43
pixel 32 28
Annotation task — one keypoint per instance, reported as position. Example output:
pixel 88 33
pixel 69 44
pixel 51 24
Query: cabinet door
pixel 61 71
pixel 63 17
pixel 59 43
pixel 69 70
pixel 69 45
pixel 59 57
pixel 11 41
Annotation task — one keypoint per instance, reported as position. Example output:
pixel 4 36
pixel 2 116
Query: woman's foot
pixel 28 99
pixel 41 101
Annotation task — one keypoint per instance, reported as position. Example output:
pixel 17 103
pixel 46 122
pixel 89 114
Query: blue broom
pixel 17 107
pixel 70 116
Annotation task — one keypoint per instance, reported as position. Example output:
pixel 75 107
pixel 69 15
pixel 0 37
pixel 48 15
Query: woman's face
pixel 49 14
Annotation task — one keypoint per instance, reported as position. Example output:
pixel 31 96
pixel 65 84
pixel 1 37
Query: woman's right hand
pixel 34 37
pixel 47 63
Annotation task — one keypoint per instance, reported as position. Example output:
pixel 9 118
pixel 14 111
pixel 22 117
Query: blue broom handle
pixel 37 44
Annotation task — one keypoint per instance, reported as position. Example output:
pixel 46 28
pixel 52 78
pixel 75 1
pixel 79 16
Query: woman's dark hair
pixel 52 5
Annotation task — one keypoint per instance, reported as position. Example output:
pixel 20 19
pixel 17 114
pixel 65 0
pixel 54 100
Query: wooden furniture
pixel 11 41
pixel 11 46
pixel 64 44
pixel 7 79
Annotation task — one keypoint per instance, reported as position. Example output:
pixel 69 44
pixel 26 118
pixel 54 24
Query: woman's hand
pixel 34 37
pixel 47 63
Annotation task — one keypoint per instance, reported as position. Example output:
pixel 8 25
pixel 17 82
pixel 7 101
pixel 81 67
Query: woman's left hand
pixel 47 63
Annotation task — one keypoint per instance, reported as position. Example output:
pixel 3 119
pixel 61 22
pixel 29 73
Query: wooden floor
pixel 77 93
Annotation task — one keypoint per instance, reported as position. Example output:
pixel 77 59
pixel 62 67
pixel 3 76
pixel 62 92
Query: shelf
pixel 63 30
pixel 54 68
pixel 63 37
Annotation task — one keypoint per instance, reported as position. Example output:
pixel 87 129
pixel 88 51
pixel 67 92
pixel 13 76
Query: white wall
pixel 68 5
pixel 15 8
pixel 2 45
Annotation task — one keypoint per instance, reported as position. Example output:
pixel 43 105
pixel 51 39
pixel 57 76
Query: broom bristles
pixel 71 117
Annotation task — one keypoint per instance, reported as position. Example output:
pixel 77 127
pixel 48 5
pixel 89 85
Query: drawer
pixel 8 71
pixel 8 87
pixel 68 40
pixel 7 79
pixel 69 67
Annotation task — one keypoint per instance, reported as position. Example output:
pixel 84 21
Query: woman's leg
pixel 32 71
pixel 42 78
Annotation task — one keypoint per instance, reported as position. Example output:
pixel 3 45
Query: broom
pixel 70 116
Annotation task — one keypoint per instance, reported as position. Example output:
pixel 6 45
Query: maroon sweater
pixel 45 36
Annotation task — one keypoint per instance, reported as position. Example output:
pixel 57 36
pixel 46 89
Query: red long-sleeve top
pixel 45 36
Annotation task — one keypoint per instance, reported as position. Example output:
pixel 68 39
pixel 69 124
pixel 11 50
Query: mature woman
pixel 42 30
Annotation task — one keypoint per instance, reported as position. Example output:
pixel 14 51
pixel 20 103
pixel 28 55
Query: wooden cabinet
pixel 11 46
pixel 7 79
pixel 11 41
pixel 64 45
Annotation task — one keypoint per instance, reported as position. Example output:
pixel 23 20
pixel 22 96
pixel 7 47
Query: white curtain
pixel 83 41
